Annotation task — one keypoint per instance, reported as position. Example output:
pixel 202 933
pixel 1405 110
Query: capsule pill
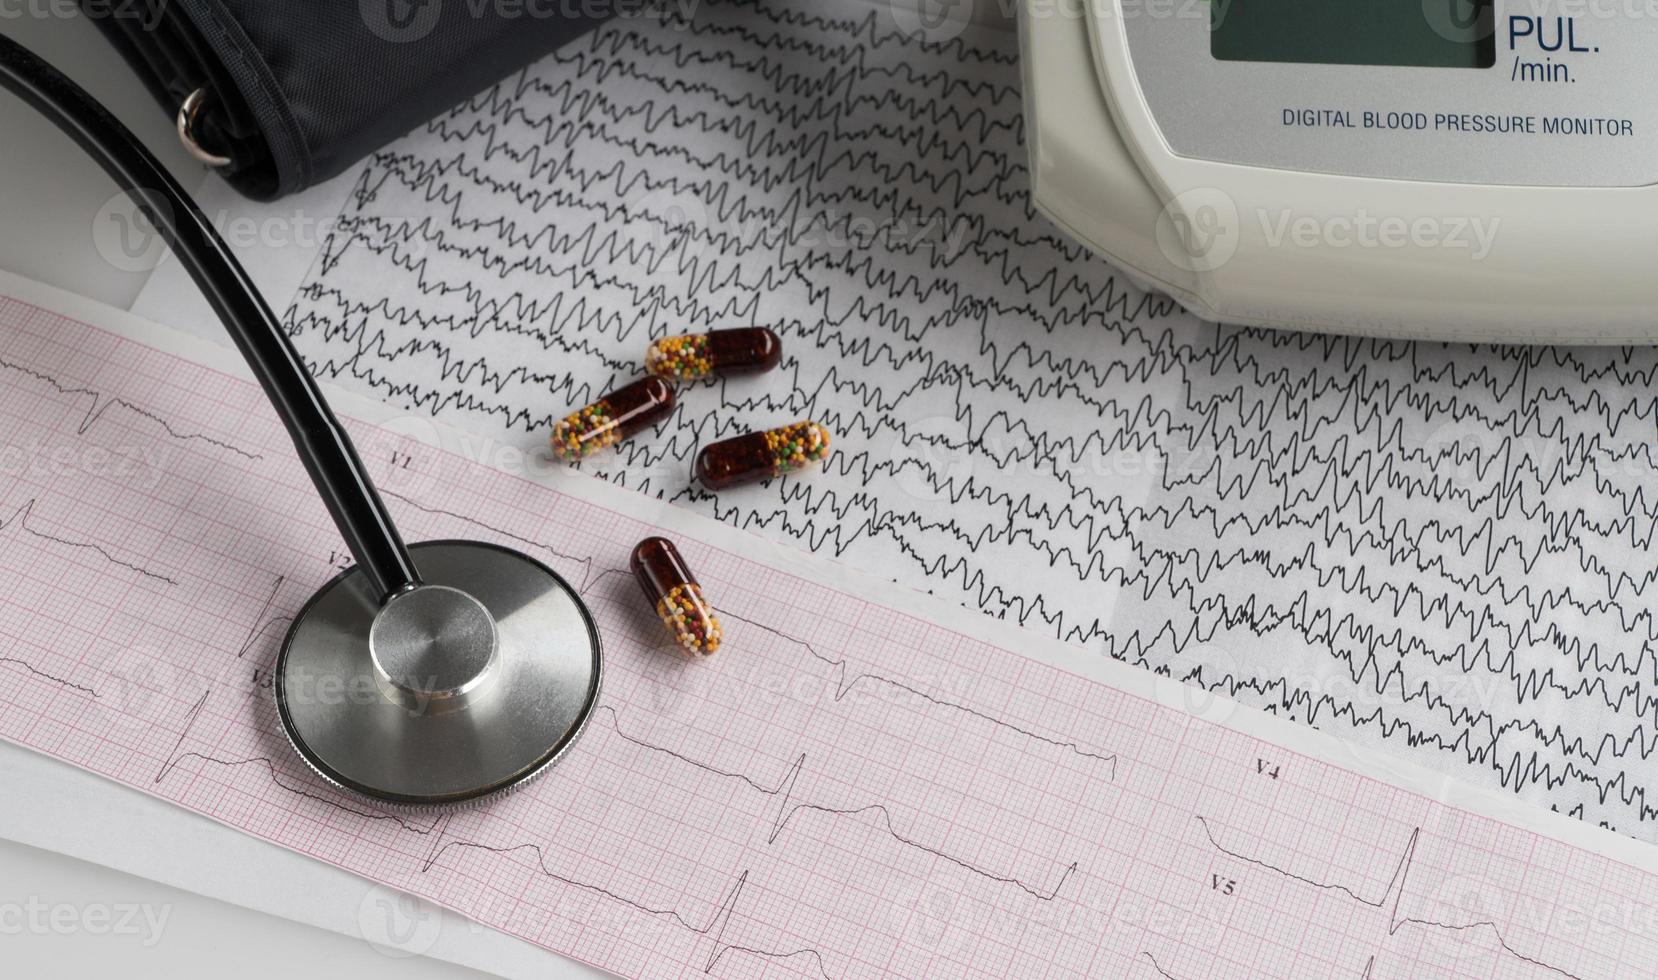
pixel 612 418
pixel 745 350
pixel 762 455
pixel 673 592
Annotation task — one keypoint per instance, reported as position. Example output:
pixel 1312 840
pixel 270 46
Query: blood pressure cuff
pixel 296 91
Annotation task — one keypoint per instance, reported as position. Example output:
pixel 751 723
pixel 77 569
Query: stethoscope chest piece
pixel 438 682
pixel 456 690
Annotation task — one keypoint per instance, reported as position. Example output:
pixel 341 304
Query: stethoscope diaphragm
pixel 453 692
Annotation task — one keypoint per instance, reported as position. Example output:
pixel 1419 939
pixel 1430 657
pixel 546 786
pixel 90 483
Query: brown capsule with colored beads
pixel 744 350
pixel 612 418
pixel 762 455
pixel 673 592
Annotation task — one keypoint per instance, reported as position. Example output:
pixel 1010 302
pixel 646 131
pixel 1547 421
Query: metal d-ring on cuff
pixel 186 126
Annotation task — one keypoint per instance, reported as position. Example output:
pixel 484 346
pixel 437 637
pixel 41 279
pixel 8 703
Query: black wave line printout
pixel 1440 550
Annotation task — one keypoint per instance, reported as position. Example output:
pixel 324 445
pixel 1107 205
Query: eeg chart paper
pixel 1441 551
pixel 864 781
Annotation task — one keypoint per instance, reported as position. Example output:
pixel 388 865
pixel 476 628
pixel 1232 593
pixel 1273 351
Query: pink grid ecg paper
pixel 844 791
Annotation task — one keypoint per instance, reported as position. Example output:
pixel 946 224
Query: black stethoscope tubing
pixel 322 444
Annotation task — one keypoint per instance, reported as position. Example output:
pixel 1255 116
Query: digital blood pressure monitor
pixel 1424 168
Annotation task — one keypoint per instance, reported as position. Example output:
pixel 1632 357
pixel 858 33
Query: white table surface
pixel 50 192
pixel 64 918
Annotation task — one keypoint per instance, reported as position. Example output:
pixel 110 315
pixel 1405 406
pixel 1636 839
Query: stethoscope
pixel 442 673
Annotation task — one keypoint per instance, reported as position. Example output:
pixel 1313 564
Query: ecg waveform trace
pixel 1390 898
pixel 846 791
pixel 1442 550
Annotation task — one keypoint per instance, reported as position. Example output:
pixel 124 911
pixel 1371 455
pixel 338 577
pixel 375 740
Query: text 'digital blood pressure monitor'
pixel 1455 90
pixel 1443 169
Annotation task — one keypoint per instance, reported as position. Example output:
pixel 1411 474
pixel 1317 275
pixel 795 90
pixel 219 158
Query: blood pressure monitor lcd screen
pixel 1405 33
